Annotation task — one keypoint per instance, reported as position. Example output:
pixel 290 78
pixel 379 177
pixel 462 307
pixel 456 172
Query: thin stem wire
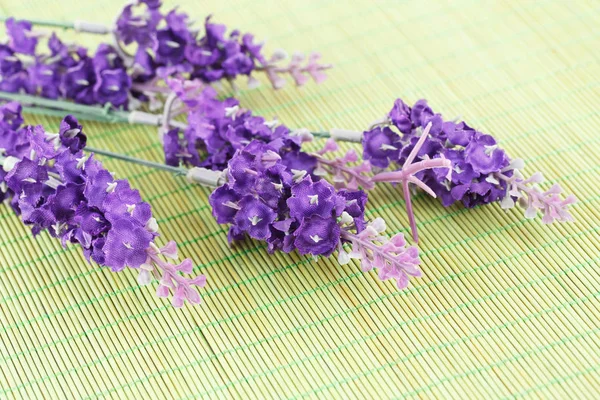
pixel 49 24
pixel 139 161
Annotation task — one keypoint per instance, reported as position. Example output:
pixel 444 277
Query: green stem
pixel 139 161
pixel 49 24
pixel 58 108
pixel 105 114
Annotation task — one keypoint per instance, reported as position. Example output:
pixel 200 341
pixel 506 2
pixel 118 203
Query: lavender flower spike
pixel 283 206
pixel 482 172
pixel 57 188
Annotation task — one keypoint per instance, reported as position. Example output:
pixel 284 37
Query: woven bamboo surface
pixel 507 307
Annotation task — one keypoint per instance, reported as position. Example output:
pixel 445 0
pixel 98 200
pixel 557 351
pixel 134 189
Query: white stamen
pixel 458 170
pixel 314 199
pixel 114 88
pixel 278 186
pixel 316 238
pixel 152 225
pixel 385 146
pixel 128 245
pixel 491 179
pixel 136 23
pixel 57 227
pixel 297 175
pixel 271 124
pixel 130 208
pixel 71 133
pixel 490 149
pixel 206 53
pixel 9 163
pixel 172 44
pixel 254 220
pixel 81 162
pixel 111 186
pixel 97 219
pixel 346 218
pixel 82 82
pixel 30 180
pixel 3 187
pixel 47 72
pixel 231 111
pixel 231 204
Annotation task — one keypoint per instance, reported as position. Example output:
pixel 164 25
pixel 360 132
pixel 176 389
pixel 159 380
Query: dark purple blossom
pixel 78 82
pixel 56 187
pixel 126 244
pixel 481 171
pixel 317 236
pixel 21 38
pixel 381 146
pixel 112 87
pixel 71 134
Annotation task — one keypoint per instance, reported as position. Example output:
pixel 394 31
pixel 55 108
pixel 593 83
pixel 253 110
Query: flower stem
pixel 197 175
pixel 49 24
pixel 104 114
pixel 139 161
pixel 77 25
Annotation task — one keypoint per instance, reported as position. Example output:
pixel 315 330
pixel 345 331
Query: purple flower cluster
pixel 167 41
pixel 218 128
pixel 62 71
pixel 481 171
pixel 57 188
pixel 268 201
pixel 475 156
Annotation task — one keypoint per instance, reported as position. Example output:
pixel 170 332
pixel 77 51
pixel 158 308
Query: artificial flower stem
pixel 201 176
pixel 139 161
pixel 103 114
pixel 77 25
pixel 409 211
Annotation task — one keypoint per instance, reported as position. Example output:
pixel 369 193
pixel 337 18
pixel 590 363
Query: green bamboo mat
pixel 507 307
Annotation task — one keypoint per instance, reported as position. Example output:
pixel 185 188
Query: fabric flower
pixel 381 146
pixel 317 235
pixel 126 245
pixel 56 187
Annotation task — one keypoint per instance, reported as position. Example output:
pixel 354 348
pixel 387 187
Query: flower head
pixel 286 208
pixel 56 187
pixel 481 172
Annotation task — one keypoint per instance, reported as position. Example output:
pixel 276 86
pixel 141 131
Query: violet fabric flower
pixel 218 128
pixel 481 172
pixel 316 198
pixel 265 200
pixel 55 187
pixel 126 245
pixel 111 87
pixel 381 146
pixel 317 235
pixel 20 36
pixel 71 134
pixel 164 44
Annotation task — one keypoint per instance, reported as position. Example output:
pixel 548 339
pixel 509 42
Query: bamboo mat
pixel 507 307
